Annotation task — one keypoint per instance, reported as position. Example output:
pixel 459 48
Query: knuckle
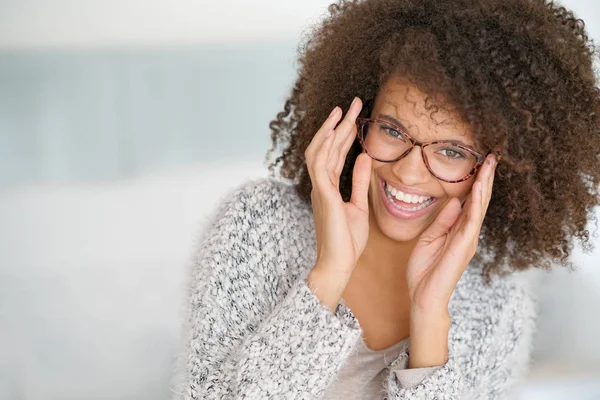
pixel 307 153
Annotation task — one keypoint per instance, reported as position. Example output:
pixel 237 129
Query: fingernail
pixel 333 112
pixel 354 101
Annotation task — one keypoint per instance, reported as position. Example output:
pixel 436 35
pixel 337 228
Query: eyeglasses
pixel 447 160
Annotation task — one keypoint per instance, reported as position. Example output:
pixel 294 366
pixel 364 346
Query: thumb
pixel 361 177
pixel 443 222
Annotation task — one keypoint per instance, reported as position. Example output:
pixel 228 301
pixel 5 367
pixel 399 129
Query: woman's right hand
pixel 342 228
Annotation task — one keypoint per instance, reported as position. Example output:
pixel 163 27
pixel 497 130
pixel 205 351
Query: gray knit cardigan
pixel 255 330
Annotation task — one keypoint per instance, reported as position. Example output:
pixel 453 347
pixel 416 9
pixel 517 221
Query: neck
pixel 383 258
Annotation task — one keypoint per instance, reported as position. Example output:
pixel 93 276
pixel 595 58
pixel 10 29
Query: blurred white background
pixel 122 125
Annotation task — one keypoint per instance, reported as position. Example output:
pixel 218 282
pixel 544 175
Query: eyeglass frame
pixel 361 122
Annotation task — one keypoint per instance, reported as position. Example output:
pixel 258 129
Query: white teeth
pixel 414 209
pixel 405 197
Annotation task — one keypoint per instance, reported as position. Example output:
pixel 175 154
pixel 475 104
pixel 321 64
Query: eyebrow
pixel 401 126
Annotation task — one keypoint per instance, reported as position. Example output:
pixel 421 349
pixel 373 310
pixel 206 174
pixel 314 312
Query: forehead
pixel 424 118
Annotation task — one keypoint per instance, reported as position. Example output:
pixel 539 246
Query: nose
pixel 412 169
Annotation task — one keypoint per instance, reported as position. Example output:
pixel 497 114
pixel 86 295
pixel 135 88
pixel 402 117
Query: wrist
pixel 333 269
pixel 429 339
pixel 438 319
pixel 328 285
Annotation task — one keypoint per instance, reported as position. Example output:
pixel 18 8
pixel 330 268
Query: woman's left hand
pixel 446 247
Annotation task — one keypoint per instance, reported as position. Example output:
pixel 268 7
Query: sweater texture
pixel 254 329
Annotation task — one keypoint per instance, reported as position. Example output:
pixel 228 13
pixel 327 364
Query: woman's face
pixel 404 105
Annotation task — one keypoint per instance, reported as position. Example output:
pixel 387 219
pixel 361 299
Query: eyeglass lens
pixel 446 160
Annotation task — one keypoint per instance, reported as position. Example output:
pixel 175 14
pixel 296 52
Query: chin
pixel 398 230
pixel 396 224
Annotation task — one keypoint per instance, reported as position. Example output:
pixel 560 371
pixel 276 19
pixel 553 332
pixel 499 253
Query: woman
pixel 384 268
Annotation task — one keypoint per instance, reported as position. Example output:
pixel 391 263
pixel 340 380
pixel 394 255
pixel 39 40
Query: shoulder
pixel 503 292
pixel 493 325
pixel 504 296
pixel 256 223
pixel 259 200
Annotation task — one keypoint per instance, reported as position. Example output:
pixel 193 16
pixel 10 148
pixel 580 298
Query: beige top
pixel 362 376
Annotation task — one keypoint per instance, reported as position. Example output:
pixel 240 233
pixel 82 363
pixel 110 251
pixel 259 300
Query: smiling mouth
pixel 406 205
pixel 406 201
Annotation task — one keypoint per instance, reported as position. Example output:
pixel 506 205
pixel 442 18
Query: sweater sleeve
pixel 410 377
pixel 488 354
pixel 253 332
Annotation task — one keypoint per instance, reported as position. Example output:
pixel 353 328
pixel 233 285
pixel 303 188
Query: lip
pixel 408 190
pixel 402 214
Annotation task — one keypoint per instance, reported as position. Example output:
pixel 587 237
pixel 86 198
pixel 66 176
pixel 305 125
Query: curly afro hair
pixel 519 72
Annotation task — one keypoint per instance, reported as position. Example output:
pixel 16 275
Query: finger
pixel 327 125
pixel 312 151
pixel 464 212
pixel 485 177
pixel 352 113
pixel 443 222
pixel 345 130
pixel 361 177
pixel 320 135
pixel 350 119
pixel 319 170
pixel 475 215
pixel 489 184
pixel 345 147
pixel 462 242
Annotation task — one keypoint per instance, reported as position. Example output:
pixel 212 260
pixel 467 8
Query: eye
pixel 452 153
pixel 391 132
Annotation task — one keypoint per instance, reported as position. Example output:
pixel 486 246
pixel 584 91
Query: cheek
pixel 460 190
